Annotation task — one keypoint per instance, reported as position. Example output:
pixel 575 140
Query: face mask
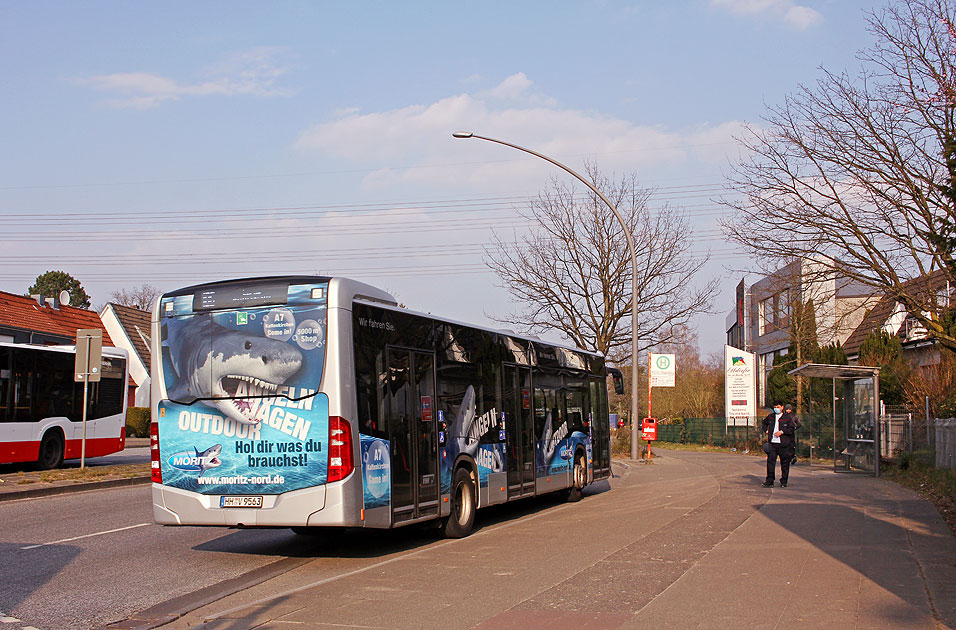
pixel 779 412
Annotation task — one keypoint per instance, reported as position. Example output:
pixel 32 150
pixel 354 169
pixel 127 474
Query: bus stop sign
pixel 89 354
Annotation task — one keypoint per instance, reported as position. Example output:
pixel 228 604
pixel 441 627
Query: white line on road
pixel 110 531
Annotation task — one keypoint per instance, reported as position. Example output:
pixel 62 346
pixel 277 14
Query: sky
pixel 182 142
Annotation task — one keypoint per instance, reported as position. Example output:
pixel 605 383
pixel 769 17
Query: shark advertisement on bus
pixel 242 414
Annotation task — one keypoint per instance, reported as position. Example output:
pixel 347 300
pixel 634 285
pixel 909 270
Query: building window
pixel 764 313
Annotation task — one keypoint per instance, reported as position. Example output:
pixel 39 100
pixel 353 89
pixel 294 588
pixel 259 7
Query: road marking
pixel 64 540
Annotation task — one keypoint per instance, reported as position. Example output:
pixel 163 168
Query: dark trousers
pixel 785 453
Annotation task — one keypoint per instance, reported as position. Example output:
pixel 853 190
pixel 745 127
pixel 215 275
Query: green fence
pixel 707 431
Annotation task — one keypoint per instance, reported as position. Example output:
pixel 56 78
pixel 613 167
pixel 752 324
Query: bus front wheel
pixel 51 451
pixel 462 518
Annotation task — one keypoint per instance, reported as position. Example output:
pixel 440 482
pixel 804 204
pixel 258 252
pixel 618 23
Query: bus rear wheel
pixel 462 518
pixel 579 479
pixel 51 451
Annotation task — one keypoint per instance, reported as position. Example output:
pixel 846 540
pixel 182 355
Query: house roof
pixel 136 324
pixel 19 311
pixel 886 308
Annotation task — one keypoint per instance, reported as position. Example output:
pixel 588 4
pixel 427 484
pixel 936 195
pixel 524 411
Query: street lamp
pixel 630 247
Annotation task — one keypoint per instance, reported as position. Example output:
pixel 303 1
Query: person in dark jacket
pixel 779 428
pixel 788 408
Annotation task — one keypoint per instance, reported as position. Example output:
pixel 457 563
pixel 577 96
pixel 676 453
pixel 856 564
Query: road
pixel 681 543
pixel 85 559
pixel 133 455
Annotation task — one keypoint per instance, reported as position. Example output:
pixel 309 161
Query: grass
pixel 937 485
pixel 77 475
pixel 704 448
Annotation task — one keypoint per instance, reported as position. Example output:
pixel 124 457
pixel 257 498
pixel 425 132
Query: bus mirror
pixel 618 380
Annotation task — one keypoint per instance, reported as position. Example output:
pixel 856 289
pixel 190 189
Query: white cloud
pixel 253 73
pixel 799 16
pixel 802 17
pixel 418 135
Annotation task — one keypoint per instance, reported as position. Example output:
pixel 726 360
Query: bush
pixel 137 422
pixel 621 442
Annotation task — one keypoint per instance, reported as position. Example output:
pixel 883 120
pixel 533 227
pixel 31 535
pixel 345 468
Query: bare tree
pixel 858 172
pixel 141 297
pixel 572 273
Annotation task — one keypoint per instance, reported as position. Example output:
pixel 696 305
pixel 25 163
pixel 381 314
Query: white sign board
pixel 740 386
pixel 663 370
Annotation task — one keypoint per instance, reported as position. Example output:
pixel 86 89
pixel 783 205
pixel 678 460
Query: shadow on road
pixel 372 543
pixel 25 571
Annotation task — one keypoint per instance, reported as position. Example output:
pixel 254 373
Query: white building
pixel 761 319
pixel 130 329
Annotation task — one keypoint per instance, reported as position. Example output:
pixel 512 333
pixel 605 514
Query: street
pixel 84 559
pixel 691 540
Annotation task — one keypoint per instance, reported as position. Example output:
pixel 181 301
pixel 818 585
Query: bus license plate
pixel 245 502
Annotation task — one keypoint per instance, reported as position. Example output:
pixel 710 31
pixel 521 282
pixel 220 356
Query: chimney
pixel 53 302
pixel 38 298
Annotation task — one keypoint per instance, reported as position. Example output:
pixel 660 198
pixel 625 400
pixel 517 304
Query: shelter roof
pixel 822 370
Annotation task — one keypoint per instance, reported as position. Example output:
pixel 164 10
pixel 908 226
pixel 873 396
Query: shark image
pixel 461 437
pixel 197 460
pixel 227 369
pixel 209 458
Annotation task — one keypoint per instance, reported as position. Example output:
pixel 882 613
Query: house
pixel 761 319
pixel 44 321
pixel 890 315
pixel 130 329
pixel 47 321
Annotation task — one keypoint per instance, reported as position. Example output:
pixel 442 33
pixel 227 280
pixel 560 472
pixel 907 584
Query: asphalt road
pixel 133 455
pixel 85 559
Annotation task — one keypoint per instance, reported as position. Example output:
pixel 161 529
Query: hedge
pixel 137 422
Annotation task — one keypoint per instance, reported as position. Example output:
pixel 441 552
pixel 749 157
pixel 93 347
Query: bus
pixel 312 402
pixel 41 406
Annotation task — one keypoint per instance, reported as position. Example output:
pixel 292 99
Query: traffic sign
pixel 663 370
pixel 89 355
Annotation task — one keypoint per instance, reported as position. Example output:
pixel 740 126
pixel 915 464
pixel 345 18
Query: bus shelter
pixel 853 445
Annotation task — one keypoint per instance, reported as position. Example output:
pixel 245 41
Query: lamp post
pixel 630 247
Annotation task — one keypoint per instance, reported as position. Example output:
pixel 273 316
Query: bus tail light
pixel 155 472
pixel 340 448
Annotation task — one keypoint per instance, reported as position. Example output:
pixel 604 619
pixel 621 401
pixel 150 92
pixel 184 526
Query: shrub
pixel 621 442
pixel 137 422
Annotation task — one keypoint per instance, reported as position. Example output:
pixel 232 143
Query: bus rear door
pixel 519 433
pixel 412 427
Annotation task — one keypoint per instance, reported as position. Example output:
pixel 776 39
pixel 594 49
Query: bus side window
pixel 6 390
pixel 24 362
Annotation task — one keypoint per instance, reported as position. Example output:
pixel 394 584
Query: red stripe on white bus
pixel 28 451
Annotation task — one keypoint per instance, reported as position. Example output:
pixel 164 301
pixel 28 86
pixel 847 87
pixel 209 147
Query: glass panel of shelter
pixel 859 428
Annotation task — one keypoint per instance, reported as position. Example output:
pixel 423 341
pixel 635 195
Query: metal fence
pixel 946 443
pixel 907 433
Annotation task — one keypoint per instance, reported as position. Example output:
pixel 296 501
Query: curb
pixel 69 488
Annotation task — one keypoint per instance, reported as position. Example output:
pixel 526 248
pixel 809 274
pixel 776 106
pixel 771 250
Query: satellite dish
pixel 65 298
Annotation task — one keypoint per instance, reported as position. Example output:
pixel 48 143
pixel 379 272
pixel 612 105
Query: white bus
pixel 311 402
pixel 41 407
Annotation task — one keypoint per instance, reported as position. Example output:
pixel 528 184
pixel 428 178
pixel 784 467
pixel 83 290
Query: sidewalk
pixel 691 541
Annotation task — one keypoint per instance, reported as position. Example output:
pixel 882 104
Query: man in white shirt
pixel 779 428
